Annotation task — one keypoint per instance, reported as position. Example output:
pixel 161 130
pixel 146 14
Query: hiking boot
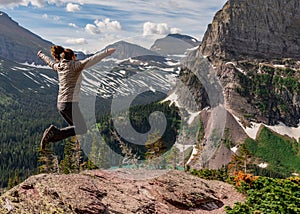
pixel 48 135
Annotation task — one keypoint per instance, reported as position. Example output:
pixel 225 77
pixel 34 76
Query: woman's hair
pixel 58 52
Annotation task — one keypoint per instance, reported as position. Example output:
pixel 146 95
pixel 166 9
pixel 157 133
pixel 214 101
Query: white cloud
pixel 35 3
pixel 72 7
pixel 76 41
pixel 103 26
pixel 57 2
pixel 92 29
pixel 38 3
pixel 56 18
pixel 150 28
pixel 175 30
pixel 73 25
pixel 191 16
pixel 109 25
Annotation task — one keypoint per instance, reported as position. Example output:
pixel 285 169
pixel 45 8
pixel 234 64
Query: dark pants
pixel 73 116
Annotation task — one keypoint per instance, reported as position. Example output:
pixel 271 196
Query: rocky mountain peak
pixel 17 43
pixel 261 29
pixel 4 18
pixel 126 50
pixel 174 44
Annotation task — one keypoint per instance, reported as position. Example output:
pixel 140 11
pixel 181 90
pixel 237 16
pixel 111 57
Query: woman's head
pixel 58 52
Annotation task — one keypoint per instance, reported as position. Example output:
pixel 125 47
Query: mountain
pixel 229 97
pixel 125 50
pixel 257 29
pixel 244 78
pixel 174 44
pixel 17 43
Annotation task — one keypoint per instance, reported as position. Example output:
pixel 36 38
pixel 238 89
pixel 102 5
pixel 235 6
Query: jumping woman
pixel 69 72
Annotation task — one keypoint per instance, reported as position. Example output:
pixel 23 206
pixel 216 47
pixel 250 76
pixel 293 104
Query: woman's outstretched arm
pixel 51 63
pixel 92 60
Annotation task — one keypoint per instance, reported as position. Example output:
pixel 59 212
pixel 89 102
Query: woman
pixel 69 72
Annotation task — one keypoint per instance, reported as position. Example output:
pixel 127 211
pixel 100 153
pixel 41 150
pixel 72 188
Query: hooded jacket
pixel 70 74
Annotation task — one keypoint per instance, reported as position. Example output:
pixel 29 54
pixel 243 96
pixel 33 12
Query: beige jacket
pixel 70 74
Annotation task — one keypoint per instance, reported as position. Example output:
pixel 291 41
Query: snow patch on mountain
pixel 173 98
pixel 171 62
pixel 263 165
pixel 15 68
pixel 192 117
pixel 234 149
pixel 33 65
pixel 282 129
pixel 194 153
pixel 182 147
pixel 27 75
pixel 49 79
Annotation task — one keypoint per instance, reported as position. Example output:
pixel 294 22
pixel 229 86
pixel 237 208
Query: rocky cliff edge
pixel 119 191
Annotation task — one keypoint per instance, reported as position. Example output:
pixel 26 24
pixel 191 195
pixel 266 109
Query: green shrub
pixel 269 195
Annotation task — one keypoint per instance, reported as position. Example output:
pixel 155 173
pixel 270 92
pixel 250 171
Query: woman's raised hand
pixel 110 51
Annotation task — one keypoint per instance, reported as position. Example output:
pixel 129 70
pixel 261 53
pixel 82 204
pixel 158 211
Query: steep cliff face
pixel 254 28
pixel 248 63
pixel 243 42
pixel 264 92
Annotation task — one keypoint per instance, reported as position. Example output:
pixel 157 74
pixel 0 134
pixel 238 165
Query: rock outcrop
pixel 253 47
pixel 248 63
pixel 254 29
pixel 119 191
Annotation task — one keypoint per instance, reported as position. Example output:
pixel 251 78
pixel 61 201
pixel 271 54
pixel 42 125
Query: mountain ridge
pixel 19 44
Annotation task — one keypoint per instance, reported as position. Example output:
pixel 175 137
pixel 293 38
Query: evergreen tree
pixel 172 157
pixel 67 165
pixel 129 157
pixel 155 148
pixel 16 179
pixel 10 183
pixel 46 160
pixel 104 156
pixel 94 154
pixel 76 155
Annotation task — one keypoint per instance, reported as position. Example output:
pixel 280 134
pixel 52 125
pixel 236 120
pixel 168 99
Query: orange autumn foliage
pixel 245 177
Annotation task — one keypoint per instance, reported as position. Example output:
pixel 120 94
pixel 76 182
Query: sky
pixel 90 25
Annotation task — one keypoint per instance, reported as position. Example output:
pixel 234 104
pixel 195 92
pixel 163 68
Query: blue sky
pixel 90 25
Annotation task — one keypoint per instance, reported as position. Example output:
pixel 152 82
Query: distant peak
pixel 182 37
pixel 123 42
pixel 177 35
pixel 2 14
pixel 6 18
